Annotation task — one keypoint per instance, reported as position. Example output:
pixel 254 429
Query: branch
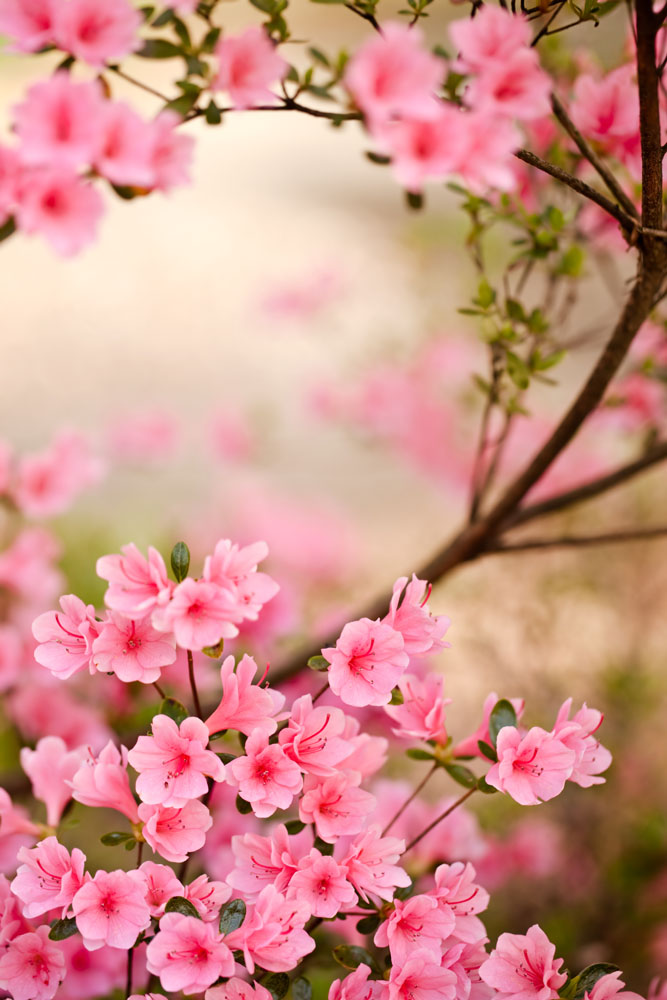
pixel 579 541
pixel 649 115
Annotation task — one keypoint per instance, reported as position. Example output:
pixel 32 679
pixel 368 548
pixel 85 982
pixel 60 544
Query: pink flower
pixel 607 110
pixel 235 569
pixel 457 892
pixel 244 706
pixel 110 909
pixel 237 989
pixel 321 883
pixel 132 649
pixel 199 614
pixel 136 585
pixel 491 38
pixel 48 877
pixel 126 146
pixel 408 613
pixel 16 831
pixel 591 757
pixel 248 65
pixel 357 986
pixel 103 782
pixel 90 973
pixel 366 663
pixel 469 747
pixel 420 977
pixel 336 806
pixel 523 966
pixel 97 31
pixel 66 637
pixel 261 861
pixel 417 922
pixel 32 967
pixel 46 483
pixel 314 738
pixel 175 833
pixel 159 885
pixel 61 207
pixel 486 150
pixel 266 777
pixel 273 935
pixel 173 763
pixel 59 123
pixel 531 768
pixel 610 986
pixel 422 149
pixel 28 22
pixel 143 435
pixel 171 153
pixel 207 896
pixel 422 714
pixel 517 87
pixel 188 954
pixel 371 865
pixel 393 74
pixel 51 767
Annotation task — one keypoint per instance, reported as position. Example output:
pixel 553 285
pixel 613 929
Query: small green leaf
pixel 232 916
pixel 301 989
pixel 113 839
pixel 413 199
pixel 277 984
pixel 351 956
pixel 571 262
pixel 179 904
pixel 463 775
pixel 515 311
pixel 586 980
pixel 180 561
pixel 242 806
pixel 63 929
pixel 294 826
pixel 368 925
pixel 159 48
pixel 163 18
pixel 397 697
pixel 174 709
pixel 416 754
pixel 227 758
pixel 211 39
pixel 502 715
pixel 319 57
pixel 7 230
pixel 130 845
pixel 485 787
pixel 213 114
pixel 518 370
pixel 487 750
pixel 486 295
pixel 182 105
pixel 318 663
pixel 215 652
pixel 378 158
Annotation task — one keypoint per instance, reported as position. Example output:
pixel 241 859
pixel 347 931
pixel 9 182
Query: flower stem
pixel 411 798
pixel 321 692
pixel 454 805
pixel 193 684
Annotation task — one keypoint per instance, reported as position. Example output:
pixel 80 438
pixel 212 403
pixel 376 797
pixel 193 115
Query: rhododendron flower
pixel 266 777
pixel 415 922
pixel 531 768
pixel 456 891
pixel 110 909
pixel 261 861
pixel 171 153
pixel 66 637
pixel 125 150
pixel 51 767
pixel 248 65
pixel 32 967
pixel 244 706
pixel 577 734
pixel 97 31
pixel 492 37
pixel 132 649
pixel 393 74
pixel 58 205
pixel 610 986
pixel 469 747
pixel 366 663
pixel 207 896
pixel 59 123
pixel 199 614
pixel 408 613
pixel 517 87
pixel 90 973
pixel 357 986
pixel 523 966
pixel 321 883
pixel 314 738
pixel 46 483
pixel 175 833
pixel 237 989
pixel 420 977
pixel 607 110
pixel 136 584
pixel 336 806
pixel 28 22
pixel 273 935
pixel 188 954
pixel 159 884
pixel 103 782
pixel 16 830
pixel 422 714
pixel 12 921
pixel 486 152
pixel 148 996
pixel 48 877
pixel 371 865
pixel 368 753
pixel 235 569
pixel 173 763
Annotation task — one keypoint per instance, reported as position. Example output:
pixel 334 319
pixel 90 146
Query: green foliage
pixel 351 956
pixel 502 715
pixel 62 929
pixel 180 558
pixel 174 709
pixel 179 904
pixel 232 916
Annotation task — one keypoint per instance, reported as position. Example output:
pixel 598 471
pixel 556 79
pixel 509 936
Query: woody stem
pixel 454 805
pixel 410 799
pixel 193 684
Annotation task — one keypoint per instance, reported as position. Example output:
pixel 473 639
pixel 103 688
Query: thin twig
pixel 579 541
pixel 410 799
pixel 138 83
pixel 193 684
pixel 544 30
pixel 444 815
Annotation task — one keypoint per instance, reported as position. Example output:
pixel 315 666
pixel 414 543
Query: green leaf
pixel 174 710
pixel 182 105
pixel 242 806
pixel 113 839
pixel 571 262
pixel 130 845
pixel 351 956
pixel 488 751
pixel 159 48
pixel 7 230
pixel 232 916
pixel 319 57
pixel 179 904
pixel 586 980
pixel 181 30
pixel 542 364
pixel 397 697
pixel 266 6
pixel 486 295
pixel 211 39
pixel 301 989
pixel 318 663
pixel 294 826
pixel 413 199
pixel 485 787
pixel 463 775
pixel 518 370
pixel 213 114
pixel 215 652
pixel 515 311
pixel 227 758
pixel 502 715
pixel 368 925
pixel 125 192
pixel 180 561
pixel 378 158
pixel 63 929
pixel 163 18
pixel 277 984
pixel 416 754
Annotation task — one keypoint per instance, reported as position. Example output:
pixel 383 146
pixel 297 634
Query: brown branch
pixel 649 115
pixel 579 541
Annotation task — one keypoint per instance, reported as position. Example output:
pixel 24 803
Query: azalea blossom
pixel 336 806
pixel 366 663
pixel 48 877
pixel 51 767
pixel 173 763
pixel 523 966
pixel 174 833
pixel 245 706
pixel 32 967
pixel 188 954
pixel 132 649
pixel 103 781
pixel 66 637
pixel 266 777
pixel 110 909
pixel 321 883
pixel 248 66
pixel 531 768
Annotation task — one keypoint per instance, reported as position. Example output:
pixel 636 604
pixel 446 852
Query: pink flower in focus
pixel 266 777
pixel 132 649
pixel 531 768
pixel 199 614
pixel 136 584
pixel 261 861
pixel 415 922
pixel 103 782
pixel 457 892
pixel 173 763
pixel 314 737
pixel 235 568
pixel 171 153
pixel 28 22
pixel 97 31
pixel 58 205
pixel 175 833
pixel 321 883
pixel 238 989
pixel 59 123
pixel 32 967
pixel 420 977
pixel 491 38
pixel 422 632
pixel 158 883
pixel 66 637
pixel 110 909
pixel 591 757
pixel 207 896
pixel 188 954
pixel 16 830
pixel 366 663
pixel 523 966
pixel 273 935
pixel 469 747
pixel 248 65
pixel 422 714
pixel 371 866
pixel 51 767
pixel 357 986
pixel 245 706
pixel 124 155
pixel 336 806
pixel 48 877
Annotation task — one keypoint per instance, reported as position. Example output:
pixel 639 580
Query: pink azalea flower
pixel 469 747
pixel 394 74
pixel 261 861
pixel 46 483
pixel 517 87
pixel 531 768
pixel 336 806
pixel 48 877
pixel 16 830
pixel 132 649
pixel 188 954
pixel 493 37
pixel 66 637
pixel 59 123
pixel 173 763
pixel 90 973
pixel 314 738
pixel 97 31
pixel 607 110
pixel 159 885
pixel 273 935
pixel 12 921
pixel 32 967
pixel 244 706
pixel 28 22
pixel 58 205
pixel 456 891
pixel 421 149
pixel 486 152
pixel 110 909
pixel 415 922
pixel 136 584
pixel 408 613
pixel 235 569
pixel 422 714
pixel 420 977
pixel 357 986
pixel 103 781
pixel 60 714
pixel 207 896
pixel 51 767
pixel 368 754
pixel 523 966
pixel 266 777
pixel 238 989
pixel 124 156
pixel 199 614
pixel 248 65
pixel 148 996
pixel 610 986
pixel 175 833
pixel 171 153
pixel 366 663
pixel 591 757
pixel 321 883
pixel 371 866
